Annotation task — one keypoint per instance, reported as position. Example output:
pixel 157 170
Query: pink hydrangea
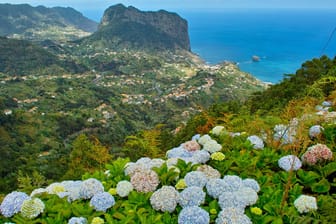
pixel 145 181
pixel 317 153
pixel 191 146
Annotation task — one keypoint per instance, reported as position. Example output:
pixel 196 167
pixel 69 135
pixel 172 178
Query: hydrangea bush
pixel 208 179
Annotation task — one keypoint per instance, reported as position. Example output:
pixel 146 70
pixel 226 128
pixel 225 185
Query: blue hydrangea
pixel 196 137
pixel 315 131
pixel 193 215
pixel 257 142
pixel 73 189
pixel 251 183
pixel 90 187
pixel 192 196
pixel 102 201
pixel 326 103
pixel 157 163
pixel 247 195
pixel 77 220
pixel 233 182
pixel 231 199
pixel 195 178
pixel 200 156
pixel 178 152
pixel 165 199
pixel 215 187
pixel 232 216
pixel 12 203
pixel 289 162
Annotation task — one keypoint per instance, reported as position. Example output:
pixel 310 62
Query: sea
pixel 281 38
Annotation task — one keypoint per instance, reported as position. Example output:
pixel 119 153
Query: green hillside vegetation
pixel 289 192
pixel 23 21
pixel 19 57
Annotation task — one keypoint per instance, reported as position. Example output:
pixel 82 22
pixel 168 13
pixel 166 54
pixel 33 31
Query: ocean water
pixel 283 39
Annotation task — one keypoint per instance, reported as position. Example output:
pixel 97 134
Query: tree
pixel 86 156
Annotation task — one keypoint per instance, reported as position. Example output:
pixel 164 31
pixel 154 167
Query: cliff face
pixel 128 27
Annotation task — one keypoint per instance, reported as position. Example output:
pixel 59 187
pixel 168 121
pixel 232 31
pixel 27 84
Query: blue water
pixel 283 39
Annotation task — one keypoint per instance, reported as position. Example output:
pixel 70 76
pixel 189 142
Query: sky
pixel 87 7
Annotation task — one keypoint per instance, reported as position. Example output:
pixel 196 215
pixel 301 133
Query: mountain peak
pixel 128 27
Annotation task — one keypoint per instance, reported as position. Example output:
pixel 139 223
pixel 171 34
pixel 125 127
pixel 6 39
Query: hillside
pixel 224 165
pixel 20 57
pixel 129 28
pixel 39 23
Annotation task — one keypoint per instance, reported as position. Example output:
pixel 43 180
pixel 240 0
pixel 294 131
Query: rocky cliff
pixel 127 27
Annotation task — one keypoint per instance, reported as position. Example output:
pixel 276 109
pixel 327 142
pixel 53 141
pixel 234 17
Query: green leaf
pixel 307 178
pixel 321 187
pixel 328 169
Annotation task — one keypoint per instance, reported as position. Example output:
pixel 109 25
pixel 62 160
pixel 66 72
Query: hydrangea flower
pixel 257 142
pixel 37 192
pixel 195 178
pixel 113 191
pixel 212 146
pixel 73 189
pixel 251 183
pixel 204 139
pixel 156 163
pixel 315 131
pixel 201 156
pixel 196 137
pixel 208 171
pixel 55 188
pixel 181 184
pixel 124 187
pixel 233 216
pixel 193 215
pixel 165 199
pixel 247 195
pixel 131 168
pixel 77 220
pixel 179 152
pixel 219 156
pixel 12 203
pixel 326 104
pixel 191 146
pixel 192 196
pixel 215 187
pixel 285 134
pixel 317 153
pixel 256 210
pixel 233 182
pixel 90 187
pixel 31 208
pixel 217 130
pixel 231 199
pixel 97 220
pixel 145 181
pixel 305 203
pixel 102 201
pixel 289 162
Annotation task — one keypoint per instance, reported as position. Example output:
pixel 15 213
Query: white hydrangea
pixel 217 130
pixel 165 199
pixel 202 140
pixel 305 203
pixel 256 142
pixel 212 146
pixel 124 187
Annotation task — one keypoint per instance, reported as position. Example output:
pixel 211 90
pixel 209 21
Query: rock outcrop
pixel 127 27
